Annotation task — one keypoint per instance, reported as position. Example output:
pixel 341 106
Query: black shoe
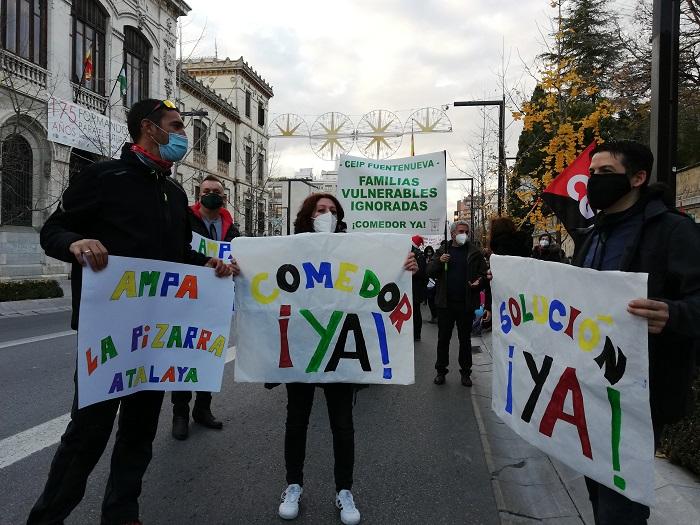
pixel 466 380
pixel 439 379
pixel 180 427
pixel 206 419
pixel 433 321
pixel 416 337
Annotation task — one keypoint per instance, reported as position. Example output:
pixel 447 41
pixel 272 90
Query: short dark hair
pixel 144 109
pixel 304 222
pixel 213 178
pixel 633 155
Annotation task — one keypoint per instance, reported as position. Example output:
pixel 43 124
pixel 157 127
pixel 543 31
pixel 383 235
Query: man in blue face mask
pixel 129 207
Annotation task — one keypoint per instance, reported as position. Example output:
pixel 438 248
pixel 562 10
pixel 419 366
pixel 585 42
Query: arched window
pixel 137 51
pixel 23 29
pixel 16 182
pixel 89 28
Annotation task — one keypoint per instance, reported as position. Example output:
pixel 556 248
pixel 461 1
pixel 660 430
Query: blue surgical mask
pixel 176 148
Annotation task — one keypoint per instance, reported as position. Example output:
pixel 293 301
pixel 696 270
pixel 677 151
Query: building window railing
pixel 23 69
pixel 222 167
pixel 89 99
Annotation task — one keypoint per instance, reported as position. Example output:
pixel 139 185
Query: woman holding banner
pixel 322 213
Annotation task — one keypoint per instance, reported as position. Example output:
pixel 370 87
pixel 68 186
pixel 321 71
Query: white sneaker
pixel 289 508
pixel 349 514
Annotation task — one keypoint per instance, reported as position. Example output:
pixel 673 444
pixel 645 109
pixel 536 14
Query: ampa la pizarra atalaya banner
pixel 570 368
pixel 324 308
pixel 151 325
pixel 394 196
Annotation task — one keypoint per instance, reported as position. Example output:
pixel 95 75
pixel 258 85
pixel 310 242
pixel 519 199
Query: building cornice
pixel 207 95
pixel 219 67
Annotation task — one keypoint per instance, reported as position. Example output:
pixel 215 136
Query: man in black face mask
pixel 210 219
pixel 636 231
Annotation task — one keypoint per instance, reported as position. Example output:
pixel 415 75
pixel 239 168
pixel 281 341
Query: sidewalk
pixel 531 487
pixel 38 306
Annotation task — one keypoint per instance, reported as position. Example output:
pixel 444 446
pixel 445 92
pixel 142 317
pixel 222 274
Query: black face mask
pixel 605 189
pixel 212 201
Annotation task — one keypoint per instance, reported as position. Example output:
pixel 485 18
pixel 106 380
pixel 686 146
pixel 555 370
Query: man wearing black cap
pixel 128 207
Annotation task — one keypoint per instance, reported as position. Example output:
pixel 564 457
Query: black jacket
pixel 197 224
pixel 133 210
pixel 667 247
pixel 476 268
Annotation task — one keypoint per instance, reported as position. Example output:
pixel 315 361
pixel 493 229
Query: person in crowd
pixel 209 218
pixel 506 239
pixel 429 254
pixel 636 231
pixel 459 270
pixel 129 207
pixel 322 213
pixel 420 283
pixel 548 250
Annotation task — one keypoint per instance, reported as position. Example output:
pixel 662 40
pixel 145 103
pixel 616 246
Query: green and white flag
pixel 122 82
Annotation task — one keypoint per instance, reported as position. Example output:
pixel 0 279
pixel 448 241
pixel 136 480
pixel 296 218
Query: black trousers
pixel 181 402
pixel 612 508
pixel 417 318
pixel 339 399
pixel 81 447
pixel 431 302
pixel 455 314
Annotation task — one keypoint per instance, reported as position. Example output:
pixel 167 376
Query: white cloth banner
pixel 75 125
pixel 324 308
pixel 397 195
pixel 571 371
pixel 151 325
pixel 211 248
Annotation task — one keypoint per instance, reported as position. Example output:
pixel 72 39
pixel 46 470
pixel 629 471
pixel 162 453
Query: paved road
pixel 419 458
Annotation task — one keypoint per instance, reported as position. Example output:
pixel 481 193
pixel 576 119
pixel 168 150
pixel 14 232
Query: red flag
pixel 566 194
pixel 88 68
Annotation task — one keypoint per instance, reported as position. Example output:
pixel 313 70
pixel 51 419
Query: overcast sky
pixel 355 56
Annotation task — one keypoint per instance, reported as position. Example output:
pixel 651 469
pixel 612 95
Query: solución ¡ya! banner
pixel 324 308
pixel 570 368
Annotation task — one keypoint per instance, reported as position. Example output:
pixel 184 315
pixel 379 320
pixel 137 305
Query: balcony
pixel 222 167
pixel 23 70
pixel 199 158
pixel 89 99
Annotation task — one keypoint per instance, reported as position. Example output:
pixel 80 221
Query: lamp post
pixel 501 142
pixel 471 205
pixel 664 90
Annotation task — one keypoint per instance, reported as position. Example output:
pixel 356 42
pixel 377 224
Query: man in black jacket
pixel 129 207
pixel 460 272
pixel 209 218
pixel 637 232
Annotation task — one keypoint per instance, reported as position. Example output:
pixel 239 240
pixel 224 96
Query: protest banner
pixel 324 308
pixel 211 248
pixel 398 195
pixel 151 325
pixel 74 125
pixel 570 368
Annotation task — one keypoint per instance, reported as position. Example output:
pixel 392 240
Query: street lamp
pixel 471 205
pixel 501 142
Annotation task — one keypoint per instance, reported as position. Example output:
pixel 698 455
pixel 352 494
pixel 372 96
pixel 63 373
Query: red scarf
pixel 165 165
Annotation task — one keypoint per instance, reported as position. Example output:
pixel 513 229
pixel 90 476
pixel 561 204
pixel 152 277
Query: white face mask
pixel 544 243
pixel 325 223
pixel 461 238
